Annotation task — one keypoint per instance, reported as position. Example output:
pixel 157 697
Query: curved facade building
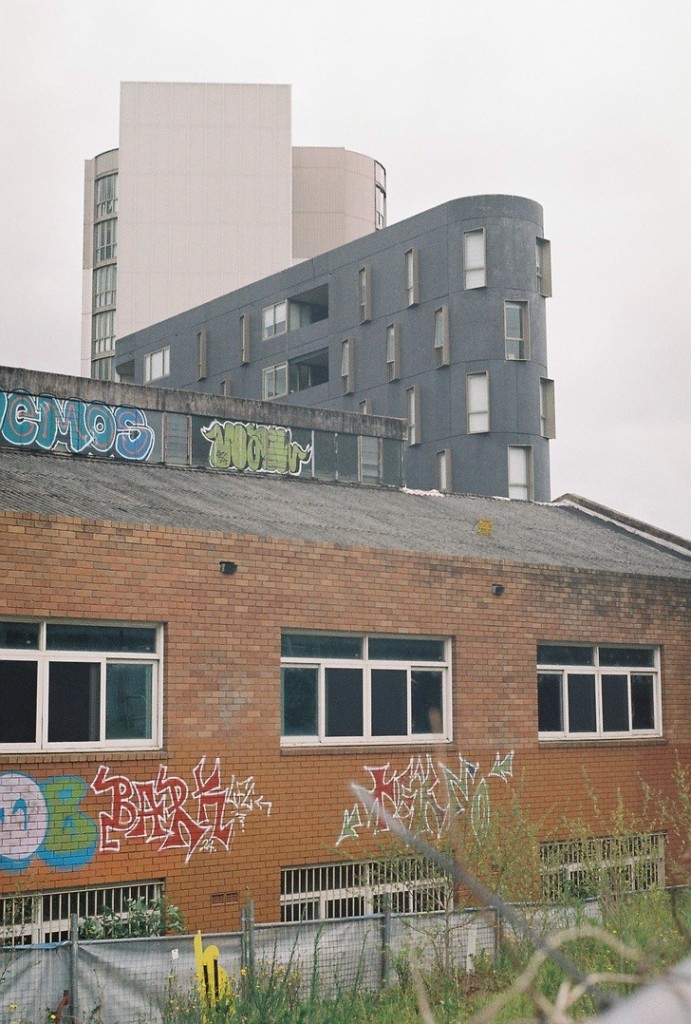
pixel 439 319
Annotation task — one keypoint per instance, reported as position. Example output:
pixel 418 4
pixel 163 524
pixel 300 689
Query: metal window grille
pixel 586 867
pixel 28 918
pixel 356 889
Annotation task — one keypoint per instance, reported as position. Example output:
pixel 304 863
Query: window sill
pixel 619 741
pixel 146 753
pixel 364 746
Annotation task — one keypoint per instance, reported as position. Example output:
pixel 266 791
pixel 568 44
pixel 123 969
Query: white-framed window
pixel 106 196
pixel 340 689
pixel 244 339
pixel 543 266
pixel 412 277
pixel 477 402
pixel 587 867
pixel 520 466
pixel 474 259
pixel 444 470
pixel 393 352
pixel 516 329
pixel 105 285
pixel 441 336
pixel 105 240
pixel 29 918
pixel 379 196
pixel 365 407
pixel 347 366
pixel 597 692
pixel 275 381
pixel 547 417
pixel 79 686
pixel 157 364
pixel 319 892
pixel 412 408
pixel 364 293
pixel 103 332
pixel 202 354
pixel 275 319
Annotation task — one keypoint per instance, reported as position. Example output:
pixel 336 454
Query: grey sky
pixel 585 107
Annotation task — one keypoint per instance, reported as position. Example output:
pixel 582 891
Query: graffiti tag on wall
pixel 80 428
pixel 426 797
pixel 253 447
pixel 44 819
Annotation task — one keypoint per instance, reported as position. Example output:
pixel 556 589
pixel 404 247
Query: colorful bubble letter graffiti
pixel 44 820
pixel 80 428
pixel 259 449
pixel 171 814
pixel 426 797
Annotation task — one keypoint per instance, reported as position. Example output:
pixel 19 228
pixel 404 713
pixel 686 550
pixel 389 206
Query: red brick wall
pixel 222 679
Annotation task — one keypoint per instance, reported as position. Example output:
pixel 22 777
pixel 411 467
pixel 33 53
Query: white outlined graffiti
pixel 254 448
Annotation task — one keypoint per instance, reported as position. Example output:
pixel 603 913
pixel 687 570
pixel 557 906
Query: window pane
pixel 581 703
pixel 561 654
pixel 549 708
pixel 627 657
pixel 427 702
pixel 118 639
pixel 615 703
pixel 300 701
pixel 343 702
pixel 642 702
pixel 128 701
pixel 73 702
pixel 389 702
pixel 20 635
pixel 18 692
pixel 392 648
pixel 306 645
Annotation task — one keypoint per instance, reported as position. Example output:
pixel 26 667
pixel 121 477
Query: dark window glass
pixel 73 702
pixel 615 703
pixel 306 645
pixel 300 701
pixel 176 439
pixel 20 635
pixel 347 454
pixel 391 460
pixel 549 709
pixel 642 702
pixel 128 701
pixel 426 702
pixel 118 639
pixel 627 657
pixel 18 700
pixel 324 455
pixel 389 702
pixel 581 702
pixel 405 649
pixel 561 654
pixel 344 702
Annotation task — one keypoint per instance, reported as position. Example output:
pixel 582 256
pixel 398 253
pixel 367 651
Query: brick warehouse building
pixel 199 661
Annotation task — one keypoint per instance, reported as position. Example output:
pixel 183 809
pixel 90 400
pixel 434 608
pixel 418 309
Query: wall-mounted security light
pixel 498 589
pixel 228 568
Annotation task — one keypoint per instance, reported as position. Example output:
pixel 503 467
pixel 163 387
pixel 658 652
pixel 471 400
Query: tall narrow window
pixel 364 288
pixel 103 332
pixel 477 399
pixel 106 196
pixel 412 396
pixel 547 418
pixel 393 352
pixel 444 470
pixel 275 319
pixel 379 196
pixel 202 354
pixel 441 336
pixel 543 266
pixel 516 329
pixel 412 275
pixel 105 284
pixel 365 407
pixel 244 339
pixel 105 240
pixel 474 261
pixel 520 472
pixel 347 367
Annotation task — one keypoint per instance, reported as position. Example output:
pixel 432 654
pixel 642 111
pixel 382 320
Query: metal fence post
pixel 247 938
pixel 74 965
pixel 385 939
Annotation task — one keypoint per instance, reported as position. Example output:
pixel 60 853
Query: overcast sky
pixel 583 106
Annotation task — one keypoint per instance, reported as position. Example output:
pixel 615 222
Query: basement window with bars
pixel 324 892
pixel 583 868
pixel 29 918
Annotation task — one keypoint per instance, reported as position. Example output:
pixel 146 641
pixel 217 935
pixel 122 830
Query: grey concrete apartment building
pixel 206 193
pixel 438 319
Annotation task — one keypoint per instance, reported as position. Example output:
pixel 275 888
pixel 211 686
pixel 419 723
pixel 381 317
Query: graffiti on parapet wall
pixel 255 448
pixel 173 815
pixel 426 797
pixel 44 820
pixel 47 423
